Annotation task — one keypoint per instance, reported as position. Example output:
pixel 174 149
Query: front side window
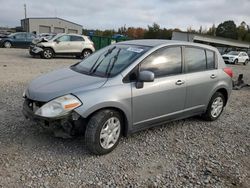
pixel 76 38
pixel 64 38
pixel 195 59
pixel 164 62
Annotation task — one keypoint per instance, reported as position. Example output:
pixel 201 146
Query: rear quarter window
pixel 210 59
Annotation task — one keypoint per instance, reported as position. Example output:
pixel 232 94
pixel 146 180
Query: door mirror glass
pixel 146 76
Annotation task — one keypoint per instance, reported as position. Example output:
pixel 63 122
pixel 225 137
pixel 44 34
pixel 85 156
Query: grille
pixel 225 57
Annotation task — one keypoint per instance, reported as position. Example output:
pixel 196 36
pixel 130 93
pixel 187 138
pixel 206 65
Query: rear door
pixel 77 43
pixel 201 77
pixel 165 97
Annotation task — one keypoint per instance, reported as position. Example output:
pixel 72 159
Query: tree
pixel 227 29
pixel 242 31
pixel 153 32
pixel 211 30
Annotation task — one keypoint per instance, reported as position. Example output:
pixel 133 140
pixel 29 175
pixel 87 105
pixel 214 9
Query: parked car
pixel 130 86
pixel 64 44
pixel 22 40
pixel 235 57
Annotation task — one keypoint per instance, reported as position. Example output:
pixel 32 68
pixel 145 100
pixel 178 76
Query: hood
pixel 39 40
pixel 61 82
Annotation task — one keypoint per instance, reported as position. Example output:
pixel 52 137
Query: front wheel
pixel 215 107
pixel 236 61
pixel 47 53
pixel 103 131
pixel 246 62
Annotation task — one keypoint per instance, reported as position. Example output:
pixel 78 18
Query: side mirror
pixel 57 41
pixel 144 76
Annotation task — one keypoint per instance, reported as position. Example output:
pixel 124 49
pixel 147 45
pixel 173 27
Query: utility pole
pixel 25 11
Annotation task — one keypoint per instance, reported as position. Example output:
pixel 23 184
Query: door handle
pixel 213 76
pixel 179 82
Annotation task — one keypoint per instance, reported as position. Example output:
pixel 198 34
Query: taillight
pixel 229 71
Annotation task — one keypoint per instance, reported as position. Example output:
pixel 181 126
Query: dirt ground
pixel 186 153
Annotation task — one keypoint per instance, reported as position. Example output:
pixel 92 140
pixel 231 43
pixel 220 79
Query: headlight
pixel 59 106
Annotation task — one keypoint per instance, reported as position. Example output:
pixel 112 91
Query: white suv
pixel 236 57
pixel 64 44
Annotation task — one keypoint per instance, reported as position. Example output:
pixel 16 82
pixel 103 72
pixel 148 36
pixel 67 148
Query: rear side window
pixel 76 38
pixel 210 59
pixel 164 62
pixel 195 59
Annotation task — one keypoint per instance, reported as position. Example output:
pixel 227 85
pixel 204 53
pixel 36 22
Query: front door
pixel 164 98
pixel 62 44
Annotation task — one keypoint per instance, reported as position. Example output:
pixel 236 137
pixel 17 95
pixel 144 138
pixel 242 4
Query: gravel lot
pixel 186 153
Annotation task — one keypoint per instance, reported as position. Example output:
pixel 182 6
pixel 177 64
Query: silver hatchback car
pixel 130 86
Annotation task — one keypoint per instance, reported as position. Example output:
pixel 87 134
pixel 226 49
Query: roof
pixel 159 42
pixel 52 18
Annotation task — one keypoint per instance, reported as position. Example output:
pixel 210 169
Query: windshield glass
pixel 233 53
pixel 110 60
pixel 12 34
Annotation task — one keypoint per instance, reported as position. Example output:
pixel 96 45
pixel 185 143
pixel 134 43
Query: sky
pixel 112 14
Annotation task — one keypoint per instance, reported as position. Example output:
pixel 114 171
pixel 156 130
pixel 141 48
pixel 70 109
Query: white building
pixel 50 25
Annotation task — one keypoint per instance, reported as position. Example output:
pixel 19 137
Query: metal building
pixel 50 25
pixel 223 44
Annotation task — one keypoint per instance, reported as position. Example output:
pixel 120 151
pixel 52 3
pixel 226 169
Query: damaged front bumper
pixel 65 126
pixel 35 50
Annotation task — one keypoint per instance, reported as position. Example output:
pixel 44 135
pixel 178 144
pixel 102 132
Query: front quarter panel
pixel 111 95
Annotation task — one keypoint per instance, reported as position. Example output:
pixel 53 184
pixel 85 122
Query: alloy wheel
pixel 217 107
pixel 110 132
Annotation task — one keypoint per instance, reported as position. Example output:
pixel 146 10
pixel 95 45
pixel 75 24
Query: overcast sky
pixel 108 14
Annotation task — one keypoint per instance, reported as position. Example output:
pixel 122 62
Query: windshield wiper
pixel 94 68
pixel 108 71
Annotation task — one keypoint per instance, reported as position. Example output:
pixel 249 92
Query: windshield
pixel 12 34
pixel 49 37
pixel 233 53
pixel 110 60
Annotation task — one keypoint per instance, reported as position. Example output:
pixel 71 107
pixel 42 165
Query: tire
pixel 246 62
pixel 217 101
pixel 99 125
pixel 47 53
pixel 86 53
pixel 236 61
pixel 7 44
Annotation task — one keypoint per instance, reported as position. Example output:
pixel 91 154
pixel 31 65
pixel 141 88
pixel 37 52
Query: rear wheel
pixel 103 131
pixel 215 107
pixel 47 53
pixel 86 53
pixel 7 44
